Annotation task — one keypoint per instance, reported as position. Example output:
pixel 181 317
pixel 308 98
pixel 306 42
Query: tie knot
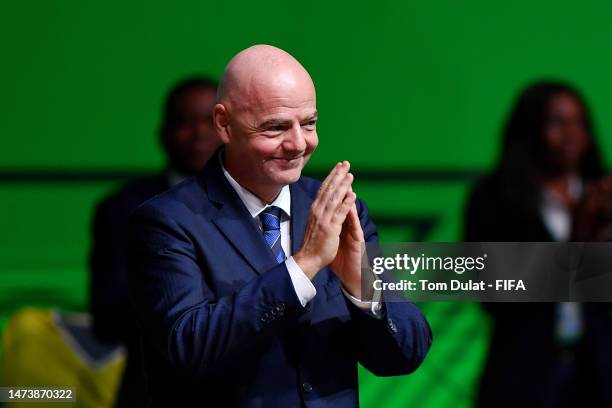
pixel 270 218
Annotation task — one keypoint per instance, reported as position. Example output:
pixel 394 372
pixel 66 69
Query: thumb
pixel 355 224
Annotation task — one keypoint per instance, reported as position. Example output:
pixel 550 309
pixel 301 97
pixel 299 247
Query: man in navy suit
pixel 246 278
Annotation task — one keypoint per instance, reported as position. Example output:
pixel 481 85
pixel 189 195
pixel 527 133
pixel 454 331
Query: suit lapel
pixel 300 207
pixel 234 220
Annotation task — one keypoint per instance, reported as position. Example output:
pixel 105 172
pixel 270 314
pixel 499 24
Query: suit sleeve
pixel 180 315
pixel 397 343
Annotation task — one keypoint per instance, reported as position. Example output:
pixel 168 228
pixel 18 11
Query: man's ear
pixel 221 122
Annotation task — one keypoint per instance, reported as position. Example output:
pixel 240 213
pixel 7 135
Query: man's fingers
pixel 349 202
pixel 330 176
pixel 337 193
pixel 335 181
pixel 333 190
pixel 352 215
pixel 355 224
pixel 339 168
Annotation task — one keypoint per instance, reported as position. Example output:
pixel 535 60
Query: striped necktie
pixel 270 223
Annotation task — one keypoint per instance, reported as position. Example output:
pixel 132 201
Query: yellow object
pixel 43 348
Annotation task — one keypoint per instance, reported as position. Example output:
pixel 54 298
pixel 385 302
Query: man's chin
pixel 286 177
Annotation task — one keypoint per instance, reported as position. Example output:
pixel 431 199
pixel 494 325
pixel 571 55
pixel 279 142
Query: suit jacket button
pixel 307 387
pixel 264 319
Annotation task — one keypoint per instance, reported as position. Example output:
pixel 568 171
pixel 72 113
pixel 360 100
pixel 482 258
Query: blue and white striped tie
pixel 270 223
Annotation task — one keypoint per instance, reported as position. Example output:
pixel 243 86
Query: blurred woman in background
pixel 544 354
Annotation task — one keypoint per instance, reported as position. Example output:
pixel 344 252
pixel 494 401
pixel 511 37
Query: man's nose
pixel 295 140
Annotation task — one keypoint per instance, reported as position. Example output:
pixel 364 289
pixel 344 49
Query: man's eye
pixel 312 123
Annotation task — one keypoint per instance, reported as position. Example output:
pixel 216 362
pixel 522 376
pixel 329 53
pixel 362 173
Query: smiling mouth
pixel 287 159
pixel 288 163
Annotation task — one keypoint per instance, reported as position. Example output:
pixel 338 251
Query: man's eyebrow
pixel 286 122
pixel 313 116
pixel 275 122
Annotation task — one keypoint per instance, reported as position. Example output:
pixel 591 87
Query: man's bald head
pixel 266 116
pixel 256 71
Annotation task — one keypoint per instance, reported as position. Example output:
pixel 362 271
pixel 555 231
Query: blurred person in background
pixel 189 139
pixel 545 354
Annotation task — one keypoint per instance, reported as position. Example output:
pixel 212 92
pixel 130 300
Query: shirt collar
pixel 253 203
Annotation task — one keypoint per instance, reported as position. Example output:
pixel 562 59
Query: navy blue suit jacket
pixel 221 322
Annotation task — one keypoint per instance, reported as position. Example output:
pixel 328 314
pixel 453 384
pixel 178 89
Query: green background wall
pixel 403 88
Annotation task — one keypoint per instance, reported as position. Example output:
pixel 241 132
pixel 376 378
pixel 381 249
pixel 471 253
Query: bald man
pixel 247 277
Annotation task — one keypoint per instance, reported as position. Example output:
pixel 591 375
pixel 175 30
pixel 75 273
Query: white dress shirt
pixel 302 285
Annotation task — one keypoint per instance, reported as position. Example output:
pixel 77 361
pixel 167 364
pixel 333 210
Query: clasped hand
pixel 333 234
